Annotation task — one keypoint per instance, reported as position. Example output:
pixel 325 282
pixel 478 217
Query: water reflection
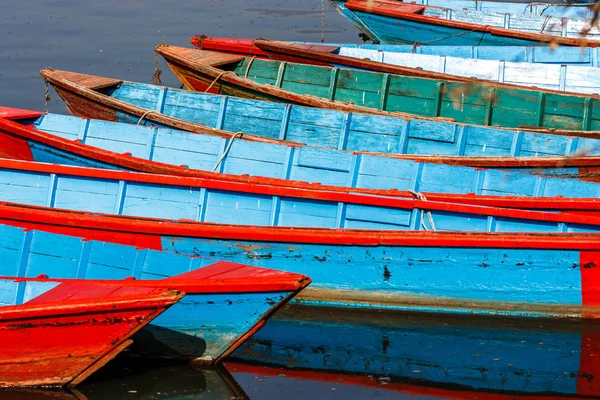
pixel 510 356
pixel 325 354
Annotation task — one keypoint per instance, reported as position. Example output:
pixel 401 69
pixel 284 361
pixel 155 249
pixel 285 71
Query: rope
pixel 217 78
pixel 421 196
pixel 46 96
pixel 144 115
pixel 322 21
pixel 545 22
pixel 157 72
pixel 227 149
pixel 248 67
pixel 455 35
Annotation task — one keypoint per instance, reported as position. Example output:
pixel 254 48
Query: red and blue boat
pixel 395 22
pixel 57 332
pixel 224 303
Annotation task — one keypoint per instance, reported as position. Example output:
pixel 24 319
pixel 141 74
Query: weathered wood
pixel 360 91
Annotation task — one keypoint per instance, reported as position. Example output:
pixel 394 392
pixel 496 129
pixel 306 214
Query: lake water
pixel 116 38
pixel 361 355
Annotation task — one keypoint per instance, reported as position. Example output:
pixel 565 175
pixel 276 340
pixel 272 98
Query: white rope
pixel 227 149
pixel 217 78
pixel 421 196
pixel 144 115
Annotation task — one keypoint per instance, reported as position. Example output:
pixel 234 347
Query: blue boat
pixel 460 353
pixel 207 324
pixel 161 150
pixel 268 122
pixel 555 76
pixel 584 57
pixel 385 264
pixel 423 24
pixel 577 11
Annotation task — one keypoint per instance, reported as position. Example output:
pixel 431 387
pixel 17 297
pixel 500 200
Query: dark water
pixel 116 38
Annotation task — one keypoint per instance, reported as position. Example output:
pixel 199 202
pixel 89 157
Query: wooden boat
pixel 493 188
pixel 445 26
pixel 586 56
pixel 526 274
pixel 290 380
pixel 224 303
pixel 549 76
pixel 56 332
pixel 267 122
pixel 379 93
pixel 262 204
pixel 516 356
pixel 580 11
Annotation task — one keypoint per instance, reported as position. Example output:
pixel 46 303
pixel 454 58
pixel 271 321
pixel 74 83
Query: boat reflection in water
pixel 315 353
pixel 467 354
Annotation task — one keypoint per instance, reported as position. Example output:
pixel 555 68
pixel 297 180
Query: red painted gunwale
pixel 17 113
pixel 589 218
pixel 67 333
pixel 141 231
pixel 220 277
pixel 408 11
pixel 315 54
pixel 14 137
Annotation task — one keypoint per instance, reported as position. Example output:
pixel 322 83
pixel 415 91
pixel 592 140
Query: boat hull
pixel 527 276
pixel 59 333
pixel 201 326
pixel 387 30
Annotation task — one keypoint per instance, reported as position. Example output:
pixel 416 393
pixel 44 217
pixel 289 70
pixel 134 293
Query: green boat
pixel 473 102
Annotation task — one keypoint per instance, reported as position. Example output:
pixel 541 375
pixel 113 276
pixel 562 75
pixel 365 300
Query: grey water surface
pixel 115 38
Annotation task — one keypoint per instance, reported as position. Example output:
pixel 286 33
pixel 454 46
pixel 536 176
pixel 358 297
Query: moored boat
pixel 561 10
pixel 430 25
pixel 224 303
pixel 493 188
pixel 524 274
pixel 586 56
pixel 566 78
pixel 380 93
pixel 260 121
pixel 56 332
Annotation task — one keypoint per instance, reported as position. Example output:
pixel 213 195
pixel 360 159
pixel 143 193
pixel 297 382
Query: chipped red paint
pixel 72 330
pixel 412 12
pixel 10 131
pixel 590 278
pixel 220 277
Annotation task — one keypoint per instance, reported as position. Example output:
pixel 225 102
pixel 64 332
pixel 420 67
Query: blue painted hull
pixel 391 31
pixel 200 326
pixel 458 352
pixel 316 127
pixel 587 56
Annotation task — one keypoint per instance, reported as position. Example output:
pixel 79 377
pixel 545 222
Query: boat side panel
pixel 390 31
pixel 365 132
pixel 502 275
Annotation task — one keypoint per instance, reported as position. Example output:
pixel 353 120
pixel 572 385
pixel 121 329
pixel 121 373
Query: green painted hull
pixel 477 102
